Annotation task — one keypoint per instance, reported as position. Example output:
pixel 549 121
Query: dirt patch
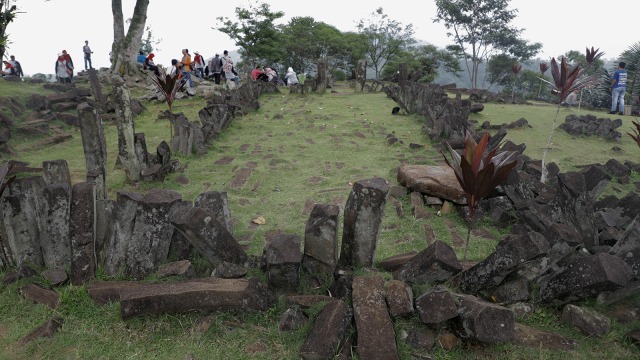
pixel 339 165
pixel 316 180
pixel 244 147
pixel 272 234
pixel 483 233
pixel 224 160
pixel 256 186
pixel 241 178
pixel 308 206
pixel 309 141
pixel 429 235
pixel 182 180
pixel 251 165
pixel 244 202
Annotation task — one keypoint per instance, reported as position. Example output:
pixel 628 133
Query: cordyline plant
pixel 636 133
pixel 168 85
pixel 565 81
pixel 515 68
pixel 543 69
pixel 479 173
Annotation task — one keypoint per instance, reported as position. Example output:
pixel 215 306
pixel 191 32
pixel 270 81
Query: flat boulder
pixel 438 181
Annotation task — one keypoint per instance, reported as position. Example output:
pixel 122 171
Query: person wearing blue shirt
pixel 618 88
pixel 141 58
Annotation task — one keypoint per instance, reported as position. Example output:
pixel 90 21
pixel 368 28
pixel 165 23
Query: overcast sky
pixel 46 28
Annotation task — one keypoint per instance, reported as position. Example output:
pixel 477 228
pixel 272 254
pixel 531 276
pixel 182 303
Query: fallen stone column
pixel 376 334
pixel 327 332
pixel 210 294
pixel 208 236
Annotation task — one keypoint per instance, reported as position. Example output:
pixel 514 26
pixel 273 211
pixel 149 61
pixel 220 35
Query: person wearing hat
pixel 62 70
pixel 150 65
pixel 198 64
pixel 69 63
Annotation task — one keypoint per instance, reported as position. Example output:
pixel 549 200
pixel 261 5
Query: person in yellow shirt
pixel 186 67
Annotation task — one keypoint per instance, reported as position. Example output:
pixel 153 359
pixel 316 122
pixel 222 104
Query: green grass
pixel 306 149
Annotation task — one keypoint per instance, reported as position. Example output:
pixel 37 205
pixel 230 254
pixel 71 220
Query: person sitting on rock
pixel 150 65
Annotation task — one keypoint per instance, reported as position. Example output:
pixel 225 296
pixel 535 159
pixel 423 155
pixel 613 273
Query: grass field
pixel 301 149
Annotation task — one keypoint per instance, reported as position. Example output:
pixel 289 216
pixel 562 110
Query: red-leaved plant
pixel 168 85
pixel 479 173
pixel 515 68
pixel 543 69
pixel 636 133
pixel 565 81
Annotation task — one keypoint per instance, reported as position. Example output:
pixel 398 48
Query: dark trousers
pixel 216 78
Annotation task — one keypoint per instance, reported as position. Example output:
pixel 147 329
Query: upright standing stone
pixel 363 215
pixel 283 259
pixel 56 172
pixel 321 239
pixel 376 335
pixel 141 150
pixel 148 244
pixel 124 215
pixel 94 146
pixel 361 75
pixel 55 243
pixel 217 203
pixel 321 79
pixel 83 264
pixel 23 217
pixel 104 224
pixel 124 123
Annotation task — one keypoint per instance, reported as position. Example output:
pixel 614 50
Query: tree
pixel 632 57
pixel 481 28
pixel 351 49
pixel 255 32
pixel 305 41
pixel 147 45
pixel 125 47
pixel 385 38
pixel 7 15
pixel 499 69
pixel 428 59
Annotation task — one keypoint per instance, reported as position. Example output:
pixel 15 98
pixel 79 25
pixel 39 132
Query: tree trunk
pixel 126 46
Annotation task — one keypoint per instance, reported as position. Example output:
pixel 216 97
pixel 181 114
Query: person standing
pixel 186 64
pixel 69 63
pixel 618 88
pixel 87 55
pixel 62 70
pixel 215 66
pixel 198 64
pixel 227 67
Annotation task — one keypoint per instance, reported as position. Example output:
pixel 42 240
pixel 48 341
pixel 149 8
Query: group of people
pixel 12 67
pixel 64 68
pixel 217 68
